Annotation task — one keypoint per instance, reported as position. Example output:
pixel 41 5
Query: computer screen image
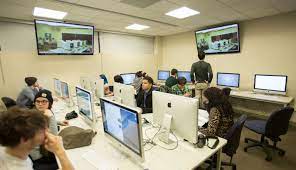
pixel 163 74
pixel 65 90
pixel 123 124
pixel 185 74
pixel 57 87
pixel 128 78
pixel 228 79
pixel 84 102
pixel 276 84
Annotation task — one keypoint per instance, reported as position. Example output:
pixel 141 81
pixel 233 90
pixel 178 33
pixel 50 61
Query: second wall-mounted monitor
pixel 231 80
pixel 128 78
pixel 273 84
pixel 163 74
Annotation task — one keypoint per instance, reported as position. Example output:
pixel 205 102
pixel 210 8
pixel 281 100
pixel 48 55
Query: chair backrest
pixel 278 122
pixel 8 102
pixel 233 136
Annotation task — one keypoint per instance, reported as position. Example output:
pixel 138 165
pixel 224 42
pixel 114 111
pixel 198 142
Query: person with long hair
pixel 220 113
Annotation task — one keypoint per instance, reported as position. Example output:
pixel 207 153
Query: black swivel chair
pixel 276 125
pixel 233 139
pixel 8 102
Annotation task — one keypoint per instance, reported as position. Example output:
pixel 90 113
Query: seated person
pixel 137 83
pixel 172 80
pixel 102 76
pixel 144 97
pixel 220 113
pixel 226 91
pixel 21 130
pixel 118 79
pixel 27 95
pixel 181 88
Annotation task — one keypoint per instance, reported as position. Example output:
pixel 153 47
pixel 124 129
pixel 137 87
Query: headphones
pixel 203 140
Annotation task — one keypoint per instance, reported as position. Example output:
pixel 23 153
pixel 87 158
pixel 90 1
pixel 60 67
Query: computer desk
pixel 102 154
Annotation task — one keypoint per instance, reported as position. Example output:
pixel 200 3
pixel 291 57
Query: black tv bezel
pixel 269 89
pixel 163 71
pixel 217 26
pixel 185 77
pixel 63 53
pixel 125 74
pixel 228 73
pixel 138 122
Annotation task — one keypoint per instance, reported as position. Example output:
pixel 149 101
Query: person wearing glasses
pixel 43 102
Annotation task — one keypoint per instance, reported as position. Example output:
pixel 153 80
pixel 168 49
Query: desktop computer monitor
pixel 85 82
pixel 65 90
pixel 85 106
pixel 128 78
pixel 185 74
pixel 97 87
pixel 122 125
pixel 228 80
pixel 57 87
pixel 184 112
pixel 272 84
pixel 163 74
pixel 124 94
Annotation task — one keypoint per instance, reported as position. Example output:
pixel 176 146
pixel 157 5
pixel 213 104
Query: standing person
pixel 172 80
pixel 144 97
pixel 27 95
pixel 137 83
pixel 202 75
pixel 21 130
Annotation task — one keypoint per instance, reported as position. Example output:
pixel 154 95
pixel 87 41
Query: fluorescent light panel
pixel 182 12
pixel 48 13
pixel 137 27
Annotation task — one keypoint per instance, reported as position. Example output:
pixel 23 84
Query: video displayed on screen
pixel 228 79
pixel 84 103
pixel 185 74
pixel 163 75
pixel 123 125
pixel 271 82
pixel 65 89
pixel 128 78
pixel 224 39
pixel 63 38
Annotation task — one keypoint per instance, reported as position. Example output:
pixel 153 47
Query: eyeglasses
pixel 41 101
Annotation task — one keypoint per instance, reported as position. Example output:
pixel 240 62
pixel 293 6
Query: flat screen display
pixel 228 79
pixel 185 74
pixel 65 90
pixel 271 82
pixel 128 78
pixel 163 75
pixel 84 102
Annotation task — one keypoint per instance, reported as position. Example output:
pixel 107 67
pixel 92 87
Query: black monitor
pixel 228 79
pixel 163 74
pixel 128 78
pixel 185 74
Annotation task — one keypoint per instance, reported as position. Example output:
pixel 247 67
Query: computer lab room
pixel 147 84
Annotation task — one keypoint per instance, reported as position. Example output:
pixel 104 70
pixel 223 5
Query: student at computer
pixel 137 83
pixel 21 130
pixel 26 96
pixel 118 79
pixel 172 80
pixel 181 88
pixel 202 75
pixel 220 113
pixel 144 97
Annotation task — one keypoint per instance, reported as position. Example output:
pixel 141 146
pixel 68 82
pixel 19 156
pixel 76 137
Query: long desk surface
pixel 101 154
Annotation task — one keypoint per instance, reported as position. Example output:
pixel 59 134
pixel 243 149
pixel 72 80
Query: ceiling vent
pixel 139 3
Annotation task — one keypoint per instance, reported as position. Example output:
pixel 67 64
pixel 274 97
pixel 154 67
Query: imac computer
pixel 183 110
pixel 185 74
pixel 163 74
pixel 270 84
pixel 85 106
pixel 57 87
pixel 124 94
pixel 66 95
pixel 85 82
pixel 122 125
pixel 97 88
pixel 128 78
pixel 230 80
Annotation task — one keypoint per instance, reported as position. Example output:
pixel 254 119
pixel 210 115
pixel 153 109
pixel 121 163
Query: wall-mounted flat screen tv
pixel 217 40
pixel 59 38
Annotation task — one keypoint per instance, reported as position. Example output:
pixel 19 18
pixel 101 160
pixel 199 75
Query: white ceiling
pixel 113 15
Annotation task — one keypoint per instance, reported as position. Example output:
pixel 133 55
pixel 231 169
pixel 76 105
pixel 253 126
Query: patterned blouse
pixel 218 124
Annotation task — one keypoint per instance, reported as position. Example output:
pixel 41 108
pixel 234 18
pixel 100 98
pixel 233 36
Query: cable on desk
pixel 177 142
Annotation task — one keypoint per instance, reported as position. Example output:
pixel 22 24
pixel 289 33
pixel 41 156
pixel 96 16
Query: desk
pixel 262 104
pixel 102 155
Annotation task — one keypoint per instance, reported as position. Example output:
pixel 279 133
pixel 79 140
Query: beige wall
pixel 19 59
pixel 267 46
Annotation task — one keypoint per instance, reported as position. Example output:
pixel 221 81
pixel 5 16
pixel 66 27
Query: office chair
pixel 8 102
pixel 233 138
pixel 276 125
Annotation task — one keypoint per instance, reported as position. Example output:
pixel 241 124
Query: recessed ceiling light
pixel 137 27
pixel 182 12
pixel 48 13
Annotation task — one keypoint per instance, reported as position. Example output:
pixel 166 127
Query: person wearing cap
pixel 43 102
pixel 27 95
